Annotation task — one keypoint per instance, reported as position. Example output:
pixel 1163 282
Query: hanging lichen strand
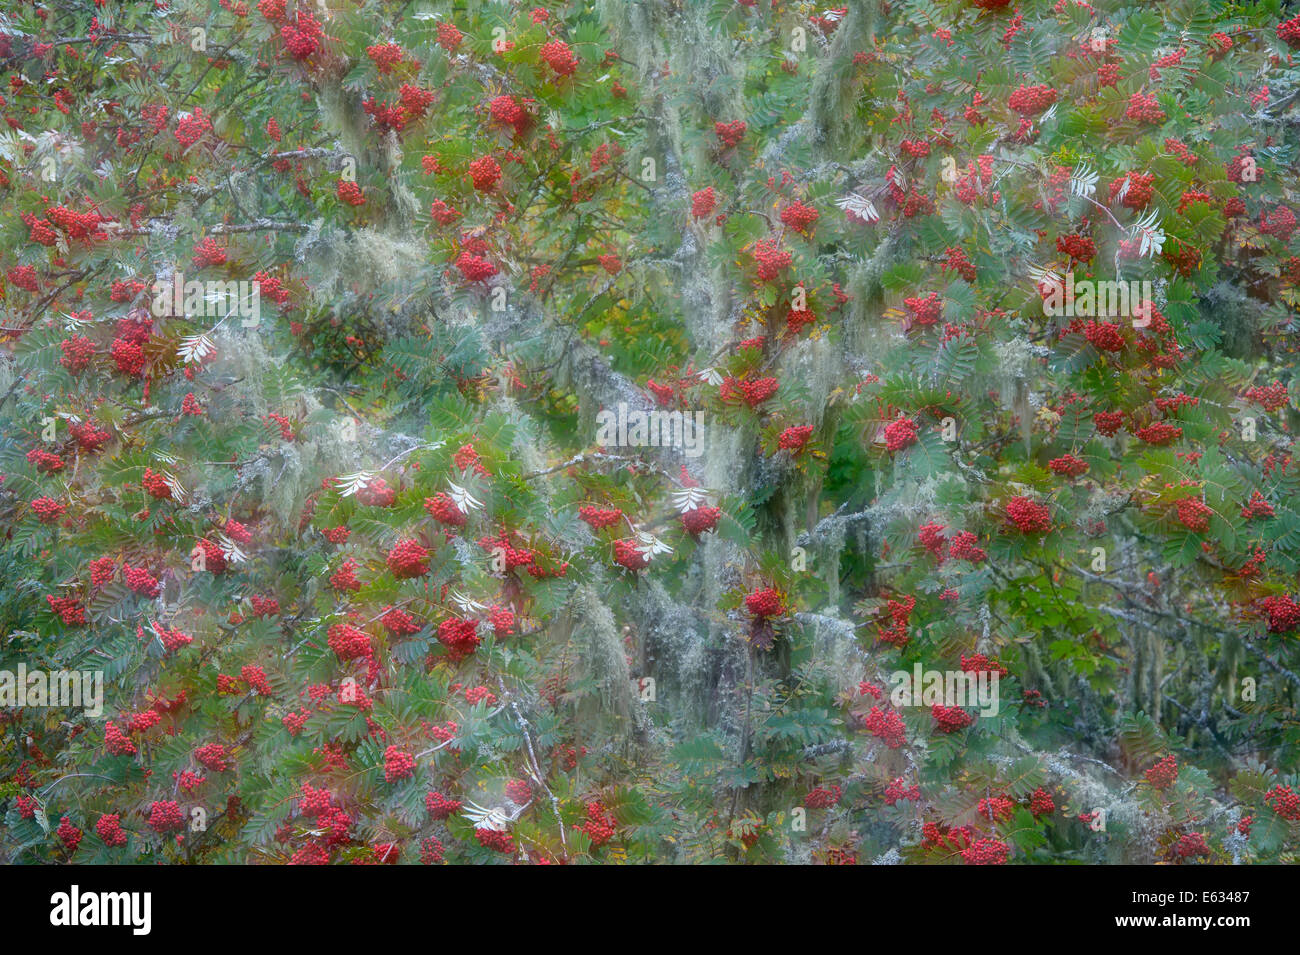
pixel 649 431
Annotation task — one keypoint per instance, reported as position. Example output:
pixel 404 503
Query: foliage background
pixel 387 360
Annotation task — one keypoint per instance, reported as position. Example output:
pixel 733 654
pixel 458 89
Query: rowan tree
pixel 365 587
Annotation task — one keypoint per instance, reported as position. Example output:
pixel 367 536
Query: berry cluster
pixel 109 830
pixel 1108 422
pixel 408 559
pixel 459 636
pixel 1280 223
pixel 345 578
pixel 823 798
pixel 165 816
pixel 349 643
pixel 1284 802
pixel 430 850
pixel 68 609
pixel 385 56
pixel 599 824
pixel 700 520
pixel 1194 514
pixel 956 261
pixel 1136 187
pixel 398 622
pixel 1163 774
pixel 896 791
pixel 191 127
pixel 1288 31
pixel 925 311
pixel 77 353
pixel 500 841
pixel 88 435
pixel 600 517
pixel 48 510
pixel 900 617
pixel 1104 336
pixel 559 57
pixel 751 392
pixel 1269 397
pixel 128 356
pixel 986 852
pixel 1028 515
pixel 794 438
pixel 1283 613
pixel 213 756
pixel 703 203
pixel 349 192
pixel 140 581
pixel 1068 465
pixel 963 547
pixel 1031 100
pixel 117 743
pixel 448 37
pixel 398 764
pixel 979 663
pixel 304 37
pixel 996 808
pixel 1077 247
pixel 628 554
pixel 474 267
pixel 156 484
pixel 730 134
pixel 950 719
pixel 208 252
pixel 887 726
pixel 900 434
pixel 931 537
pixel 485 173
pixel 507 110
pixel 770 259
pixel 1142 108
pixel 439 806
pixel 765 603
pixel 1191 845
pixel 255 677
pixel 1041 803
pixel 1257 507
pixel 1160 433
pixel 799 217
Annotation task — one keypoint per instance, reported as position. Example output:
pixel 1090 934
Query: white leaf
pixel 231 550
pixel 652 545
pixel 463 499
pixel 484 818
pixel 1151 236
pixel 177 489
pixel 195 348
pixel 466 604
pixel 351 483
pixel 689 498
pixel 1083 181
pixel 859 206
